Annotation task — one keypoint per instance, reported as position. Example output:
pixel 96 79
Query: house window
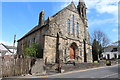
pixel 119 56
pixel 80 52
pixel 65 51
pixel 68 26
pixel 114 50
pixel 73 31
pixel 33 40
pixel 65 55
pixel 30 42
pixel 77 28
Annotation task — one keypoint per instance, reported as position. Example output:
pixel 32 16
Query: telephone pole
pixel 14 43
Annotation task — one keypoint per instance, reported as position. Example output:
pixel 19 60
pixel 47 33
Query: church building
pixel 64 35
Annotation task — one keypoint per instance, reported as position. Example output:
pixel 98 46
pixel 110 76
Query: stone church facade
pixel 63 35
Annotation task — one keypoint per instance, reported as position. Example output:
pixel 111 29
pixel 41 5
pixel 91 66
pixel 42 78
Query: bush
pixel 33 51
pixel 108 62
pixel 95 61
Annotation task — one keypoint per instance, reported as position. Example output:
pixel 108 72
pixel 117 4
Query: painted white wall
pixel 2 48
pixel 111 54
pixel 7 52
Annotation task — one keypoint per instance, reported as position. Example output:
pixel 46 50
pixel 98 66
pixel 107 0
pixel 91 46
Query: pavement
pixel 101 72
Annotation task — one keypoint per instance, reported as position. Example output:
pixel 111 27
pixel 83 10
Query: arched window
pixel 80 52
pixel 68 26
pixel 77 28
pixel 73 31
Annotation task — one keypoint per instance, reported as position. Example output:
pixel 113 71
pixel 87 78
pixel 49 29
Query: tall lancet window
pixel 73 30
pixel 68 26
pixel 77 28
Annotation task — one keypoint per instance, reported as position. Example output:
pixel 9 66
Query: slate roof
pixel 3 51
pixel 7 48
pixel 32 31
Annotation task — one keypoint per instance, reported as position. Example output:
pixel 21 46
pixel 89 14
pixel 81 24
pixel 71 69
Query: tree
pixel 99 40
pixel 101 37
pixel 33 51
pixel 95 50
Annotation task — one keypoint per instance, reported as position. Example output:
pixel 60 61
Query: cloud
pixel 115 30
pixel 67 2
pixel 103 6
pixel 100 21
pixel 64 5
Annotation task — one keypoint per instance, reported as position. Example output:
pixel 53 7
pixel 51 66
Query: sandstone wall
pixel 58 24
pixel 64 49
pixel 38 67
pixel 37 36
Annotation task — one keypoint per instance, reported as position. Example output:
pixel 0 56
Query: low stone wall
pixel 115 62
pixel 0 67
pixel 13 67
pixel 17 67
pixel 38 67
pixel 80 66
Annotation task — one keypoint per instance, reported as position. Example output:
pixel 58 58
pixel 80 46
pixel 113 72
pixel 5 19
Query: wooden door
pixel 72 53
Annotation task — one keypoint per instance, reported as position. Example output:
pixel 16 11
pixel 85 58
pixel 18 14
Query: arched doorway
pixel 73 48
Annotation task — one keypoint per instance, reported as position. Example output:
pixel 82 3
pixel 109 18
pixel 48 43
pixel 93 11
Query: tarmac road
pixel 107 72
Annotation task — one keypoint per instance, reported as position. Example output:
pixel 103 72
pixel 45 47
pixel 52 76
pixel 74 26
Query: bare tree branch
pixel 101 37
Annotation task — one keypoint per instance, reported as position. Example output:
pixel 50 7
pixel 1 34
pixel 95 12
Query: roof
pixel 110 46
pixel 116 43
pixel 7 48
pixel 70 7
pixel 11 47
pixel 3 51
pixel 32 31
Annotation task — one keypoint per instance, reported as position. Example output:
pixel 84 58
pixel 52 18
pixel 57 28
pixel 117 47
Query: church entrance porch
pixel 73 50
pixel 72 53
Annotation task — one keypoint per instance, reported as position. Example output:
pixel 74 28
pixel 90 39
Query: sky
pixel 17 18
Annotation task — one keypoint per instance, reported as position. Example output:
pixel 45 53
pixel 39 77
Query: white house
pixel 111 52
pixel 7 50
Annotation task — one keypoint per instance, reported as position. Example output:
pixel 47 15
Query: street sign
pixel 91 50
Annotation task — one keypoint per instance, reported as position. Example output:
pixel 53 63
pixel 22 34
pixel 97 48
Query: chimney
pixel 41 18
